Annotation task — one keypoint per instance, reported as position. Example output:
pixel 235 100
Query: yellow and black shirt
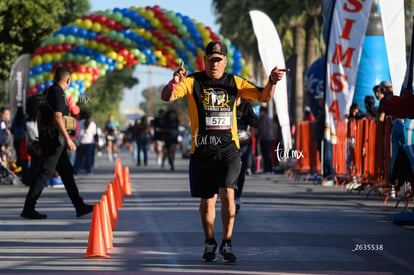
pixel 212 108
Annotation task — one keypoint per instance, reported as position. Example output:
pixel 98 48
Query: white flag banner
pixel 271 55
pixel 19 83
pixel 347 32
pixel 393 24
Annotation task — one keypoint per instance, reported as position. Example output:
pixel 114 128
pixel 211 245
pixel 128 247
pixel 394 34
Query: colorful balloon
pixel 113 39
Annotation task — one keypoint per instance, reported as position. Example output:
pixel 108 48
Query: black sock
pixel 223 242
pixel 210 241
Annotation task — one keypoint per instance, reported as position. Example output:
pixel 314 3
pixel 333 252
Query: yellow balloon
pixel 96 27
pixel 93 44
pixel 158 53
pixel 101 47
pixel 119 59
pixel 56 57
pixel 140 31
pixel 47 58
pixel 104 29
pixel 37 60
pixel 87 84
pixel 74 77
pixel 141 11
pixel 147 35
pixel 112 55
pixel 87 23
pixel 88 77
pixel 78 23
pixel 49 76
pixel 119 66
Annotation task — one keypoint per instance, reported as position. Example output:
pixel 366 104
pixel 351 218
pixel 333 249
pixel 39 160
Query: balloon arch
pixel 113 39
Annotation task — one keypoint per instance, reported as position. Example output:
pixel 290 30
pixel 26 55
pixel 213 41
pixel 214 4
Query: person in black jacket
pixel 53 140
pixel 246 118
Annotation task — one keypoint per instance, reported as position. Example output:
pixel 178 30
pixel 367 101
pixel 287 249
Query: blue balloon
pixel 37 69
pixel 72 30
pixel 83 33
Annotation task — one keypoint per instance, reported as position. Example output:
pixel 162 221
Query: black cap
pixel 216 49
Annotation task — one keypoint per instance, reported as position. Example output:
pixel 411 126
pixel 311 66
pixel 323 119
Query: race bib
pixel 219 120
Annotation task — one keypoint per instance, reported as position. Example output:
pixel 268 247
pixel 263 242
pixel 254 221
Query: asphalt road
pixel 285 226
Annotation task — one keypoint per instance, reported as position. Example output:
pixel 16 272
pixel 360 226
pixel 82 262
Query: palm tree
pixel 297 22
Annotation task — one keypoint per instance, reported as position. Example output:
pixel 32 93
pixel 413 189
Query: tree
pixel 290 18
pixel 104 95
pixel 25 24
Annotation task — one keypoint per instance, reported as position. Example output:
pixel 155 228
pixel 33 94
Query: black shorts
pixel 210 171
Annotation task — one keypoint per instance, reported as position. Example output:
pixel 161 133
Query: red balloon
pixel 48 49
pixel 162 17
pixel 92 17
pixel 101 19
pixel 39 51
pixel 124 52
pixel 58 48
pixel 67 47
pixel 74 109
pixel 32 91
pixel 119 26
pixel 110 23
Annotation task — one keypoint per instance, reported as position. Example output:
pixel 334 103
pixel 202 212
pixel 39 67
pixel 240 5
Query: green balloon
pixel 32 82
pixel 70 39
pixel 69 57
pixel 112 34
pixel 120 37
pixel 108 13
pixel 117 16
pixel 126 22
pixel 177 21
pixel 78 58
pixel 80 41
pixel 182 29
pixel 60 39
pixel 92 63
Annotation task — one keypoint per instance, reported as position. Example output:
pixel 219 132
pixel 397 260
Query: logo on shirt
pixel 214 97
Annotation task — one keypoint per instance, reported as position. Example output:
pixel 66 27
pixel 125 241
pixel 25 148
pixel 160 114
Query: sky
pixel 155 76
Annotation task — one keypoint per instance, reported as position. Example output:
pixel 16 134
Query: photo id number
pixel 368 247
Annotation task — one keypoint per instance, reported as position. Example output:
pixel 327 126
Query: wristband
pixel 271 81
pixel 172 85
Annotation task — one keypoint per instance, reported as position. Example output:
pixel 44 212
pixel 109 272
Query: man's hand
pixel 180 74
pixel 277 74
pixel 71 145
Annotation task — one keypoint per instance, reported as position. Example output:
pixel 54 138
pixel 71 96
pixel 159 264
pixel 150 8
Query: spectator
pixel 171 136
pixel 53 139
pixel 143 139
pixel 355 111
pixel 266 136
pixel 371 110
pixel 86 149
pixel 112 137
pixel 308 114
pixel 246 118
pixel 159 136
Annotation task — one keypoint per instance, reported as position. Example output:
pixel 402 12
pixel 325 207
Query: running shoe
pixel 210 252
pixel 226 252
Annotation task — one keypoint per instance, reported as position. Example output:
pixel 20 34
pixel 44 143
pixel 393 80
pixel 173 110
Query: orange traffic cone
pixel 106 223
pixel 118 169
pixel 96 242
pixel 112 204
pixel 118 191
pixel 126 187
